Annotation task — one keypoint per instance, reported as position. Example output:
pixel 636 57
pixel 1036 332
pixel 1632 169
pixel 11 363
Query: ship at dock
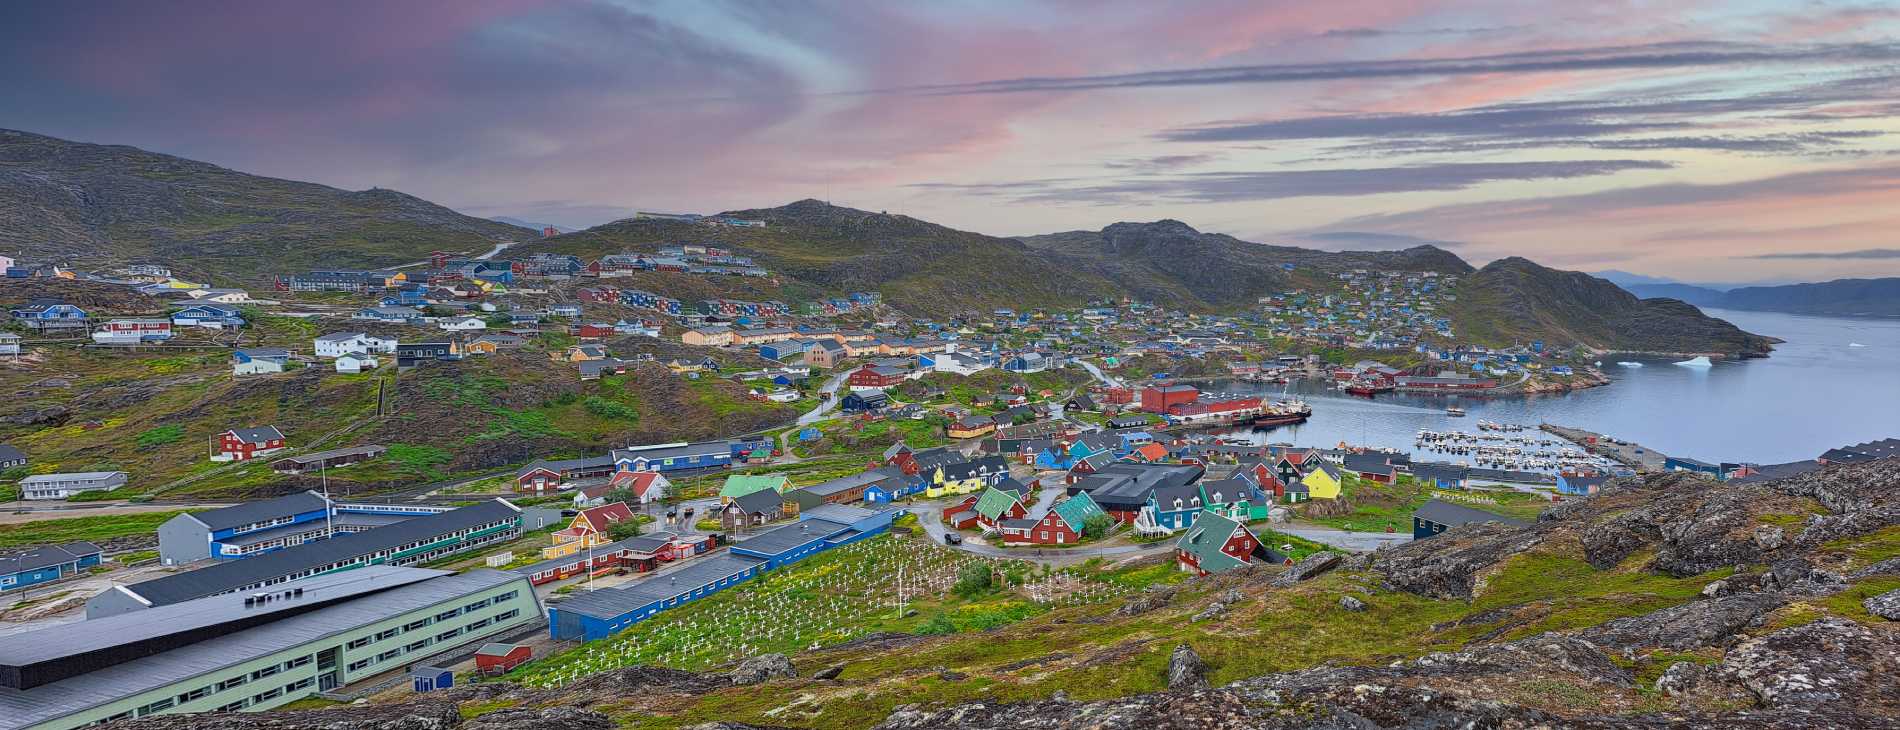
pixel 1282 413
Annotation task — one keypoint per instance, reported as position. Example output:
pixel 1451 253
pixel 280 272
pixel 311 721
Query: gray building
pixel 408 542
pixel 251 652
pixel 61 486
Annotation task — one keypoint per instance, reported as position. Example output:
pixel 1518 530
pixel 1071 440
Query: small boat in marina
pixel 1454 411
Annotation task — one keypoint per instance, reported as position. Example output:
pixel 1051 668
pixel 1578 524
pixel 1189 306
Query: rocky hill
pixel 92 206
pixel 1516 300
pixel 920 267
pixel 1170 262
pixel 1662 602
pixel 1841 297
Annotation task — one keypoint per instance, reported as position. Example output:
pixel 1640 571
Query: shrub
pixel 938 625
pixel 611 409
pixel 972 580
pixel 1096 526
pixel 161 435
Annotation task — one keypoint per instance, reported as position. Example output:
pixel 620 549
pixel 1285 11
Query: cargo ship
pixel 1282 413
pixel 1367 388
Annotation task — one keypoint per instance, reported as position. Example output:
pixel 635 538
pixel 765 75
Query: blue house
pixel 1054 456
pixel 1174 508
pixel 42 315
pixel 405 297
pixel 46 564
pixel 210 316
pixel 1131 440
pixel 1443 476
pixel 781 350
pixel 674 457
pixel 1579 485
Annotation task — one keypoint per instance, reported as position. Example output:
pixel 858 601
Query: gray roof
pixel 1453 515
pixel 258 435
pixel 252 512
pixel 780 539
pixel 235 574
pixel 84 476
pixel 861 479
pixel 609 603
pixel 357 598
pixel 637 543
pixel 44 556
pixel 764 501
pixel 1771 472
pixel 655 453
pixel 843 514
pixel 9 452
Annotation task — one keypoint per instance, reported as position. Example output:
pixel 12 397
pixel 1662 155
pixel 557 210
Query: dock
pixel 1633 455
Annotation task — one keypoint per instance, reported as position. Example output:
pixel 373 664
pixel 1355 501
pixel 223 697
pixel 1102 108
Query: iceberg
pixel 1855 344
pixel 1629 363
pixel 1699 362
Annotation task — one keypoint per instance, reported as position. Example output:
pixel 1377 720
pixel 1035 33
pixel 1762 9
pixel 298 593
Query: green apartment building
pixel 255 651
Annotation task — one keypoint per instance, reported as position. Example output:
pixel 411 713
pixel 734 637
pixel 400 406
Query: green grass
pixel 160 435
pixel 135 556
pixel 1868 549
pixel 95 528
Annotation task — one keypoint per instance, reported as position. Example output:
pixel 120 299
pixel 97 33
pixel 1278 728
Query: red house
pixel 1062 525
pixel 1215 544
pixel 1159 398
pixel 498 658
pixel 594 330
pixel 598 293
pixel 239 444
pixel 873 376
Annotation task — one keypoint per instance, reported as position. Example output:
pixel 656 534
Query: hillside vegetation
pixel 1515 300
pixel 94 205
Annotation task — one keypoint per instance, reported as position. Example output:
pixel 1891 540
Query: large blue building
pixel 255 528
pixel 46 564
pixel 608 611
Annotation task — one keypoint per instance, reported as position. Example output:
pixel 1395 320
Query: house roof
pixel 994 503
pixel 9 452
pixel 763 501
pixel 1368 463
pixel 235 574
pixel 1076 511
pixel 975 467
pixel 1205 539
pixel 603 517
pixel 45 556
pixel 248 513
pixel 257 435
pixel 1453 515
pixel 739 485
pixel 1152 451
pixel 1438 470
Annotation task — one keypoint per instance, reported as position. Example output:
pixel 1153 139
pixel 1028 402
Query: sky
pixel 1733 141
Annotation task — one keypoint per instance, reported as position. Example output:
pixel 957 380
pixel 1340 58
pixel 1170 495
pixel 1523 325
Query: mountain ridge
pixel 1841 297
pixel 87 204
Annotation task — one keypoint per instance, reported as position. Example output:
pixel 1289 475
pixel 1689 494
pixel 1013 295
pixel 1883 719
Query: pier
pixel 1634 456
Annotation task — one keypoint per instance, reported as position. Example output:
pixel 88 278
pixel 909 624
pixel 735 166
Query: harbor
pixel 1632 455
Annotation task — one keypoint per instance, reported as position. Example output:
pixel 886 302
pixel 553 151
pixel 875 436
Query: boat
pixel 1281 413
pixel 1367 388
pixel 1698 362
pixel 1454 411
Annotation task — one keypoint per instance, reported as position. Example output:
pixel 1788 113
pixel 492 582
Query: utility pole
pixel 329 508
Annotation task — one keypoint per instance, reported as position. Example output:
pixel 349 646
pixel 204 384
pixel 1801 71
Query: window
pixel 446 615
pixel 508 614
pixel 480 624
pixel 268 696
pixel 359 643
pixel 415 625
pixel 388 655
pixel 509 596
pixel 298 662
pixel 360 665
pixel 416 646
pixel 237 681
pixel 265 672
pixel 235 706
pixel 447 635
pixel 194 694
pixel 300 684
pixel 156 707
pixel 386 635
pixel 476 606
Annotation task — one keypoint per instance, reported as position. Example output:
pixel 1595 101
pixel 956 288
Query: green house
pixel 996 505
pixel 739 485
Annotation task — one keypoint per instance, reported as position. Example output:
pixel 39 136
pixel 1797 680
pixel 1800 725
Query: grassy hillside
pixel 96 205
pixel 1513 300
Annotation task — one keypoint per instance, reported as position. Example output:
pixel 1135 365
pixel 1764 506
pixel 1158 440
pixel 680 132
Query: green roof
pixel 1204 541
pixel 1077 510
pixel 994 503
pixel 739 485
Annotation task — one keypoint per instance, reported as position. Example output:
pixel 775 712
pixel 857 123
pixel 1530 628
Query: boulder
pixel 1155 597
pixel 1448 566
pixel 544 718
pixel 1688 626
pixel 1829 662
pixel 1313 566
pixel 1186 670
pixel 830 672
pixel 1351 604
pixel 1885 605
pixel 1679 679
pixel 1769 537
pixel 762 668
pixel 1213 610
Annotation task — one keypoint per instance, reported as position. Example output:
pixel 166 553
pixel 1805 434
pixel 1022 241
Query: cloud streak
pixel 1862 254
pixel 1673 55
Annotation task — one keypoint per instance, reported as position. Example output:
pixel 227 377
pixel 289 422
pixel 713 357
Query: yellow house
pixel 592 527
pixel 1323 481
pixel 966 478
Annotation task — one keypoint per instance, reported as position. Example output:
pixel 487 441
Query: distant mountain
pixel 1700 296
pixel 1170 262
pixel 1843 297
pixel 92 206
pixel 1625 279
pixel 1514 299
pixel 530 225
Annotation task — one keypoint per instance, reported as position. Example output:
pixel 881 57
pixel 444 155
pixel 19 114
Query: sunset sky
pixel 1731 141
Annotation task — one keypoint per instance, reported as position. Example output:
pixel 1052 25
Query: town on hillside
pixel 347 484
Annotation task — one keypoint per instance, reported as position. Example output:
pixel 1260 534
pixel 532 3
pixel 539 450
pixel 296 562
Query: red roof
pixel 600 518
pixel 638 481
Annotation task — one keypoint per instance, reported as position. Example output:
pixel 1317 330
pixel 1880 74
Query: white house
pixel 221 296
pixel 954 362
pixel 9 343
pixel 462 324
pixel 338 344
pixel 259 360
pixel 62 486
pixel 352 362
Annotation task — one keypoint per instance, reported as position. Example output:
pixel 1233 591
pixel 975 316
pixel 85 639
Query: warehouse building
pixel 254 528
pixel 45 564
pixel 408 542
pixel 608 611
pixel 252 652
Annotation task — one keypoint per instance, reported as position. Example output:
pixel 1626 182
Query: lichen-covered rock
pixel 1186 670
pixel 1351 604
pixel 762 668
pixel 1213 610
pixel 416 715
pixel 1885 605
pixel 1155 597
pixel 545 718
pixel 1313 566
pixel 1448 566
pixel 1687 626
pixel 1823 663
pixel 1679 679
pixel 1769 537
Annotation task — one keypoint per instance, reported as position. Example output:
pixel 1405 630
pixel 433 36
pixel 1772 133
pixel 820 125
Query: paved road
pixel 930 518
pixel 1354 541
pixel 825 407
pixel 1107 380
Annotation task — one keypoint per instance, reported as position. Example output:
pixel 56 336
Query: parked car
pixel 951 538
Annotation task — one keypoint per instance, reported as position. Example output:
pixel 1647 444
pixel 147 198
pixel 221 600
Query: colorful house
pixel 590 528
pixel 46 564
pixel 739 485
pixel 1237 499
pixel 239 444
pixel 1061 525
pixel 966 477
pixel 1216 544
pixel 1579 484
pixel 1322 481
pixel 1172 508
pixel 996 505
